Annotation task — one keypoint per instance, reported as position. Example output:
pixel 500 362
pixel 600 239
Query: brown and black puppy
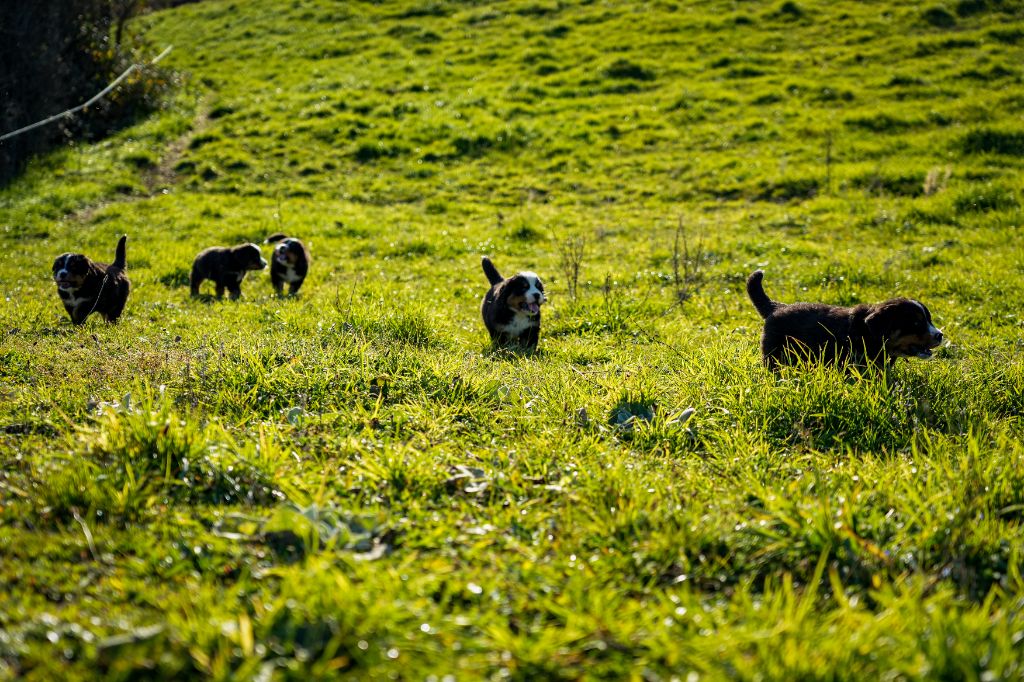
pixel 511 307
pixel 86 287
pixel 225 267
pixel 290 263
pixel 862 335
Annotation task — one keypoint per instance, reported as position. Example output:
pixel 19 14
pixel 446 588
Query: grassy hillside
pixel 353 481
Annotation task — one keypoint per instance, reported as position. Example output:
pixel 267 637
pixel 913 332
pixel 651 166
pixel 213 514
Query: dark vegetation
pixel 55 55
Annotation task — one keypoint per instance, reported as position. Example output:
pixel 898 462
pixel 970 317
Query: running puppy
pixel 225 267
pixel 511 307
pixel 289 264
pixel 86 287
pixel 862 335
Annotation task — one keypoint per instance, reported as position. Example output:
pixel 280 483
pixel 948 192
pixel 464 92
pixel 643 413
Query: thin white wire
pixel 95 97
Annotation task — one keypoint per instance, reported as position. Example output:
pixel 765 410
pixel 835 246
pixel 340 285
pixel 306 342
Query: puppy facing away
pixel 87 287
pixel 511 307
pixel 290 263
pixel 226 267
pixel 862 335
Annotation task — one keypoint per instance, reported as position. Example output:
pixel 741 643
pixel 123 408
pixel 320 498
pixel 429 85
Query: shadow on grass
pixel 511 353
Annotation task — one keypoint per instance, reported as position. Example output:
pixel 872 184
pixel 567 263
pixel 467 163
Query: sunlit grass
pixel 352 481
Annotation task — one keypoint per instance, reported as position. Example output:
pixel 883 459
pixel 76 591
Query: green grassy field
pixel 352 481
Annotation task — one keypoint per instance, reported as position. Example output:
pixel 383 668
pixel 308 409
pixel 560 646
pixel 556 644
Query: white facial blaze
pixel 534 294
pixel 62 270
pixel 932 329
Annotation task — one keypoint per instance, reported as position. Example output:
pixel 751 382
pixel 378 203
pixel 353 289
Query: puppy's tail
pixel 120 260
pixel 492 272
pixel 755 290
pixel 276 237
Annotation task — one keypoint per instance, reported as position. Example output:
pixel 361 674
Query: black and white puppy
pixel 511 307
pixel 864 335
pixel 226 267
pixel 290 263
pixel 87 287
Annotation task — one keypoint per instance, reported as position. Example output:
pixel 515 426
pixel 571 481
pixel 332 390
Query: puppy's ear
pixel 884 319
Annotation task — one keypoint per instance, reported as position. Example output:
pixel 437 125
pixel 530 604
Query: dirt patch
pixel 163 174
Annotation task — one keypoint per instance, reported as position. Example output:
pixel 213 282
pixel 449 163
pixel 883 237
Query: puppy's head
pixel 288 252
pixel 247 257
pixel 525 293
pixel 70 270
pixel 906 325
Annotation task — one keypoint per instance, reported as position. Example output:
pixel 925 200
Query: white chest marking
pixel 519 324
pixel 291 276
pixel 73 302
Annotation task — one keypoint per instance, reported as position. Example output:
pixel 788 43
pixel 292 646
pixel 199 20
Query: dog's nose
pixel 937 336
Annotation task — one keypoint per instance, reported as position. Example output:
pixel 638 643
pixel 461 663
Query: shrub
pixel 903 185
pixel 788 10
pixel 986 198
pixel 788 189
pixel 939 17
pixel 989 141
pixel 625 69
pixel 371 151
pixel 879 123
pixel 57 55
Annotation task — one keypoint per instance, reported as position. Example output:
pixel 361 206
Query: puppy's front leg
pixel 79 314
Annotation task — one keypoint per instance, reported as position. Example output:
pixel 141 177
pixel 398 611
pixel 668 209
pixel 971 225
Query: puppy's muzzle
pixel 532 307
pixel 61 278
pixel 934 342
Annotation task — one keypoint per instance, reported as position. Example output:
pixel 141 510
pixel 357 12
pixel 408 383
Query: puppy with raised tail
pixel 86 287
pixel 511 307
pixel 863 335
pixel 290 263
pixel 226 267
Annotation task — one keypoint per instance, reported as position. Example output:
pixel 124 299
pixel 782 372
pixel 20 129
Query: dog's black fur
pixel 862 335
pixel 226 267
pixel 289 264
pixel 511 307
pixel 87 287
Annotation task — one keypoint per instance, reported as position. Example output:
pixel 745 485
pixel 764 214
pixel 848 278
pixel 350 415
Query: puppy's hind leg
pixel 112 315
pixel 119 301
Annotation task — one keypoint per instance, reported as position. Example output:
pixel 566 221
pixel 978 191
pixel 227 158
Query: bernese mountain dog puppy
pixel 226 267
pixel 86 287
pixel 863 335
pixel 511 307
pixel 290 263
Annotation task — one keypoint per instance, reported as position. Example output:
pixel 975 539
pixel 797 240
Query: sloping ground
pixel 352 482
